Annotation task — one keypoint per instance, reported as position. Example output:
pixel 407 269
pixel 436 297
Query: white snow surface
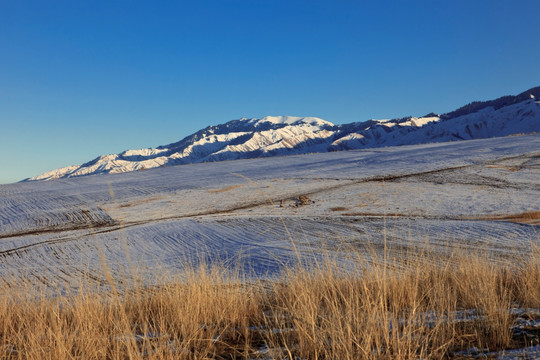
pixel 55 232
pixel 288 135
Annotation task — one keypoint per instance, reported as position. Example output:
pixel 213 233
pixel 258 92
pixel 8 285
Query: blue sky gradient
pixel 80 79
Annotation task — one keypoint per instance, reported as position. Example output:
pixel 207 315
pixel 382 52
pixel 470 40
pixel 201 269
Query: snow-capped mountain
pixel 284 135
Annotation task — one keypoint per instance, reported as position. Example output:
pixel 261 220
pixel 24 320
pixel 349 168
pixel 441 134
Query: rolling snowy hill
pixel 287 135
pixel 250 211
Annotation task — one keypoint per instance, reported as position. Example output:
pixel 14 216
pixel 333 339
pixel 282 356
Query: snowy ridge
pixel 288 135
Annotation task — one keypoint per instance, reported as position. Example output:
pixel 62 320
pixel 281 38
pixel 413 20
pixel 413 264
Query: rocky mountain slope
pixel 285 135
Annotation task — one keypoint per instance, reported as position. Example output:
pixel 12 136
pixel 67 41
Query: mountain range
pixel 287 135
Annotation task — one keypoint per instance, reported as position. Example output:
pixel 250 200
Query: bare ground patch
pixel 382 214
pixel 339 208
pixel 139 202
pixel 227 188
pixel 503 167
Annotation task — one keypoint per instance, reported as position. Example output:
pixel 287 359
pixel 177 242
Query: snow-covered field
pixel 268 212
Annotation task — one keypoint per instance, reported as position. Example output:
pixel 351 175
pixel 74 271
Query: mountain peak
pixel 287 135
pixel 285 120
pixel 291 120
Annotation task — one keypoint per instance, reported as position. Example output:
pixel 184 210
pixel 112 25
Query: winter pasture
pixel 292 257
pixel 269 212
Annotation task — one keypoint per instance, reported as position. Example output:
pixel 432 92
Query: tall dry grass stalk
pixel 423 306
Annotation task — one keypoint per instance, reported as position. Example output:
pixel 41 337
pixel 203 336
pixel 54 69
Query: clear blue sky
pixel 83 78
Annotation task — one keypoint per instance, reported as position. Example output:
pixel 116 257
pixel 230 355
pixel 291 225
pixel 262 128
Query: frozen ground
pixel 481 194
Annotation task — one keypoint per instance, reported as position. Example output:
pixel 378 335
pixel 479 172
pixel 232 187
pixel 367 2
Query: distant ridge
pixel 498 103
pixel 284 135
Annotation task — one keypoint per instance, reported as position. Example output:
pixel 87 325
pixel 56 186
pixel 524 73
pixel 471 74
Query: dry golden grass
pixel 530 217
pixel 379 309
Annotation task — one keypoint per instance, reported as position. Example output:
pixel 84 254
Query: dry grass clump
pixel 407 310
pixel 205 314
pixel 425 306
